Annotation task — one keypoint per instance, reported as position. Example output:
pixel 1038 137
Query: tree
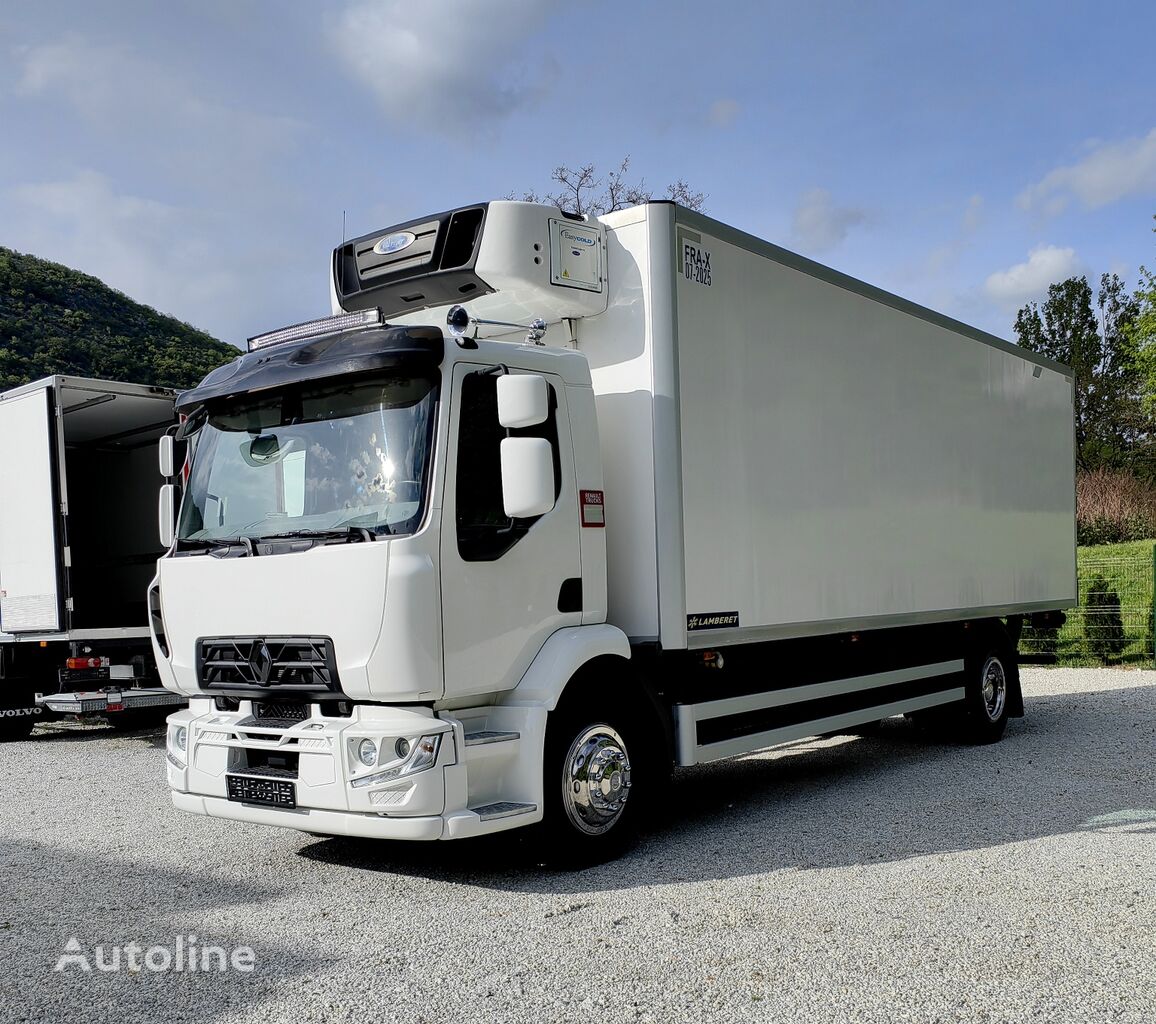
pixel 583 191
pixel 57 320
pixel 1097 340
pixel 1144 335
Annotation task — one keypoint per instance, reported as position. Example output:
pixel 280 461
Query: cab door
pixel 506 584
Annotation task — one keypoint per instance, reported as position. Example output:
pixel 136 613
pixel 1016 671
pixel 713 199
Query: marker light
pixel 318 328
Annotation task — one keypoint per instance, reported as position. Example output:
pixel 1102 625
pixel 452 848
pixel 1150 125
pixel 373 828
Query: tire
pixel 990 672
pixel 598 774
pixel 12 729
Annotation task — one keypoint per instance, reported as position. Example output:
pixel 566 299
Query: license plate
pixel 271 792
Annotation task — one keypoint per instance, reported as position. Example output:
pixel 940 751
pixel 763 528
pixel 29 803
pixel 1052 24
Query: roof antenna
pixel 342 227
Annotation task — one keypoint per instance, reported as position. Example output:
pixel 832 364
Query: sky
pixel 202 157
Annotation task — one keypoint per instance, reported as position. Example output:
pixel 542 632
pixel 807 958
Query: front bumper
pixel 313 819
pixel 335 793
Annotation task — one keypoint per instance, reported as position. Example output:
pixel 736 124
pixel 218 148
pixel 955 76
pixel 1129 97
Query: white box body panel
pixel 29 569
pixel 810 454
pixel 78 461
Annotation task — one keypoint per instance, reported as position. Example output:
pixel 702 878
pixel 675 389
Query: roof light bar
pixel 317 328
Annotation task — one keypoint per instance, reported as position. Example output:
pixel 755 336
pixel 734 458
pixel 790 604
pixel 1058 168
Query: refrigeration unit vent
pixel 411 266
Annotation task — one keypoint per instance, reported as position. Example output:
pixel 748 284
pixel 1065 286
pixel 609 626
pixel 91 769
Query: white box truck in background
pixel 438 575
pixel 77 549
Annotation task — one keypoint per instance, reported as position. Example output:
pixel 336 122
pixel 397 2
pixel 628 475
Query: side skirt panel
pixel 712 730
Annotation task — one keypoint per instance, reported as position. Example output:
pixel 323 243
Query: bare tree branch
pixel 583 191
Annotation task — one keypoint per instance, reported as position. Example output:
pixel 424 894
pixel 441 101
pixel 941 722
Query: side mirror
pixel 527 476
pixel 166 515
pixel 523 400
pixel 165 455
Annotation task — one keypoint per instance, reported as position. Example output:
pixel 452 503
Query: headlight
pixel 401 748
pixel 422 755
pixel 367 753
pixel 181 738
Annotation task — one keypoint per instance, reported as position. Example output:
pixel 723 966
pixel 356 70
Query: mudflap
pixel 1015 694
pixel 19 716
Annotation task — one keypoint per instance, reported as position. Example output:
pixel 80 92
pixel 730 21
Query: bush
pixel 1040 641
pixel 1113 506
pixel 1103 623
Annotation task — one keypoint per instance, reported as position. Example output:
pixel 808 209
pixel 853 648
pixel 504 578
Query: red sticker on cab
pixel 593 509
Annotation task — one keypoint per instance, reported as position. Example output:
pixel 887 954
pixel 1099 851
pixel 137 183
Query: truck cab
pixel 384 527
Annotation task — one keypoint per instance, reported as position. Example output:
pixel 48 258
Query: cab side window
pixel 485 532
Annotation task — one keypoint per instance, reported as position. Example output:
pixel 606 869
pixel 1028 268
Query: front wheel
pixel 596 775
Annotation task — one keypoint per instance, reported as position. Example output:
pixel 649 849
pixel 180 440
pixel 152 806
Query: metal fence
pixel 1113 623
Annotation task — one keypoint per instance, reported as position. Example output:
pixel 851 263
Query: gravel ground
pixel 878 879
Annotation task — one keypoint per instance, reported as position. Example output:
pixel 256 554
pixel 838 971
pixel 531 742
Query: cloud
pixel 196 262
pixel 947 255
pixel 973 215
pixel 156 252
pixel 153 111
pixel 819 225
pixel 1111 171
pixel 197 217
pixel 447 65
pixel 723 112
pixel 1045 265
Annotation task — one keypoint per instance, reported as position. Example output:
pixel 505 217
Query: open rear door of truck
pixel 30 584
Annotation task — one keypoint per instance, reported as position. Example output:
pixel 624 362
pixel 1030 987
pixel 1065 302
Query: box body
pixel 789 452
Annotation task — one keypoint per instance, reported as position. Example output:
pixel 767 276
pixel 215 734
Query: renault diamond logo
pixel 261 662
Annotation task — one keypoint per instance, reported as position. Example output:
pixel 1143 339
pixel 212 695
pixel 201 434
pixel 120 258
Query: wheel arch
pixel 585 659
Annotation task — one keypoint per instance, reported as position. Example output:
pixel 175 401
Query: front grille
pixel 302 665
pixel 281 711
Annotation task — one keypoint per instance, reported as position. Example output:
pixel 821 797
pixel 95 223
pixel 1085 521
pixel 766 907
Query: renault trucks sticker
pixel 593 509
pixel 711 620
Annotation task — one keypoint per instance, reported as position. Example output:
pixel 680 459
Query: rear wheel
pixel 987 692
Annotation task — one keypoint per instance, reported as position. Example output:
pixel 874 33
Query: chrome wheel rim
pixel 993 688
pixel 596 780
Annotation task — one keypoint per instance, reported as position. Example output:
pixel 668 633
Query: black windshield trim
pixel 411 350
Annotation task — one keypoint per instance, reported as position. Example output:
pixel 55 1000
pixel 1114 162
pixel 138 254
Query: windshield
pixel 312 458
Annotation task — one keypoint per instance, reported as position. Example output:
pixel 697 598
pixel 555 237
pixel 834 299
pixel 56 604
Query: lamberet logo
pixel 185 955
pixel 711 620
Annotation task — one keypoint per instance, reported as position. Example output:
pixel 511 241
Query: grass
pixel 1128 570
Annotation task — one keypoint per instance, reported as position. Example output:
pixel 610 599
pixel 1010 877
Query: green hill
pixel 57 320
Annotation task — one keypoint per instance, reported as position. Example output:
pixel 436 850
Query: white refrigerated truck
pixel 77 549
pixel 552 504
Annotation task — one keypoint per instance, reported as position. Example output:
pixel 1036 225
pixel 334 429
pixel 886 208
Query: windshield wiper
pixel 363 533
pixel 218 543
